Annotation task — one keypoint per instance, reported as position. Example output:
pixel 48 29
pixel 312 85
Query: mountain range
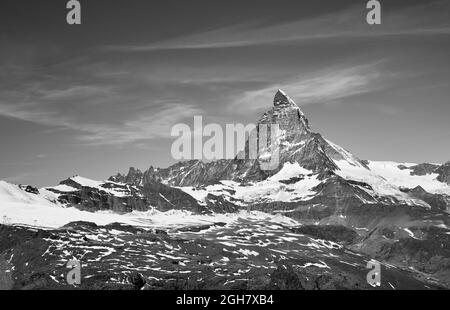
pixel 323 210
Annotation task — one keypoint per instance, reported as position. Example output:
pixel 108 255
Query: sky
pixel 96 98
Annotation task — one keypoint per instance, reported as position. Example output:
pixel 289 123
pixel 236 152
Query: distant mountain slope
pixel 396 212
pixel 301 148
pixel 312 171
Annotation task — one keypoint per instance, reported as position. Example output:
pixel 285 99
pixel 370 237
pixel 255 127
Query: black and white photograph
pixel 242 147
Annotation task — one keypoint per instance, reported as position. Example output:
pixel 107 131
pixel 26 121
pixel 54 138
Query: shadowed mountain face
pixel 295 143
pixel 326 173
pixel 340 211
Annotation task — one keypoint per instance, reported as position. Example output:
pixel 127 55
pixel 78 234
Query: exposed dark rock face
pixel 219 204
pixel 285 278
pixel 421 169
pixel 186 173
pixel 137 177
pixel 92 199
pixel 6 281
pixel 436 201
pixel 165 198
pixel 123 198
pixel 444 173
pixel 334 197
pixel 427 251
pixel 393 233
pixel 334 233
pixel 137 280
pixel 29 189
pixel 134 176
pixel 297 143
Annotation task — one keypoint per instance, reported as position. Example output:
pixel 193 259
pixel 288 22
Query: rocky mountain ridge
pixel 395 212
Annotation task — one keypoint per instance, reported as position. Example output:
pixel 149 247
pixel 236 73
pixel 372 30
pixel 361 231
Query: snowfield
pixel 20 207
pixel 265 191
pixel 389 170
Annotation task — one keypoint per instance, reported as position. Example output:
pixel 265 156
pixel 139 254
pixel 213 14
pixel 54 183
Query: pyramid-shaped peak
pixel 281 98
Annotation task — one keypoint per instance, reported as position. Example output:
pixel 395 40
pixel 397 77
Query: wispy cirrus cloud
pixel 146 125
pixel 98 113
pixel 326 86
pixel 91 103
pixel 77 91
pixel 347 23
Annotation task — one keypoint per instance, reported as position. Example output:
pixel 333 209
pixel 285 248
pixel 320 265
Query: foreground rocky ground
pixel 246 254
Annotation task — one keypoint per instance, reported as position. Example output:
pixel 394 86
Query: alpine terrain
pixel 312 223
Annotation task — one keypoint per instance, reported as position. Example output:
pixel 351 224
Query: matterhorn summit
pixel 282 99
pixel 287 114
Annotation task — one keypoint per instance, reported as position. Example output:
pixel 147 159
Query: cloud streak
pixel 99 114
pixel 348 23
pixel 325 86
pixel 146 125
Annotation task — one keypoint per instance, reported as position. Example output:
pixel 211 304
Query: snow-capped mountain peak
pixel 317 182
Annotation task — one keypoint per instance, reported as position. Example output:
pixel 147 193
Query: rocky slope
pixel 395 212
pixel 244 255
